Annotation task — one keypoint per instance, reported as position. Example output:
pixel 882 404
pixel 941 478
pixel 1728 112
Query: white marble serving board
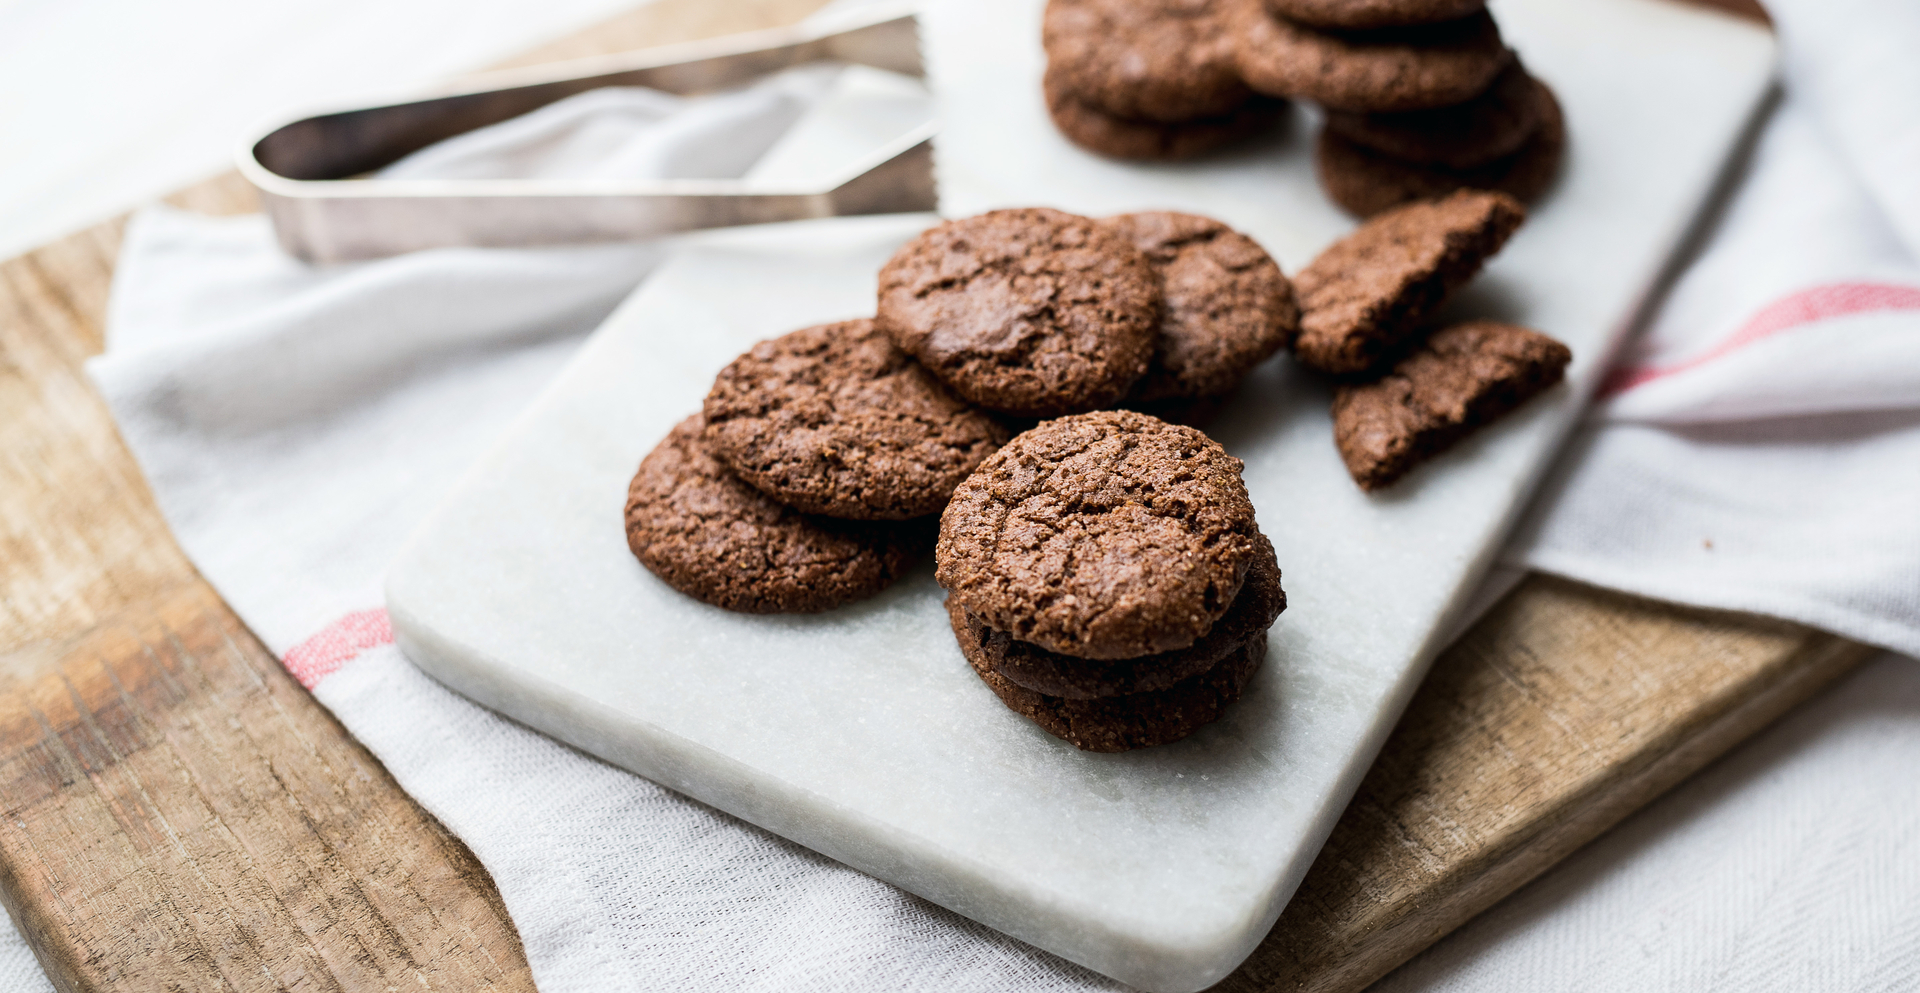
pixel 862 733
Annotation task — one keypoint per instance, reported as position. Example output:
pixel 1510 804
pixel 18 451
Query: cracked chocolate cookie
pixel 1031 312
pixel 1136 720
pixel 1144 60
pixel 1463 377
pixel 1366 182
pixel 1031 667
pixel 1225 306
pixel 1106 535
pixel 1374 289
pixel 1395 69
pixel 837 420
pixel 1153 141
pixel 718 540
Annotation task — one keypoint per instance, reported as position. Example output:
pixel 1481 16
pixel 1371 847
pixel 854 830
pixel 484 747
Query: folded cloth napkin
pixel 296 423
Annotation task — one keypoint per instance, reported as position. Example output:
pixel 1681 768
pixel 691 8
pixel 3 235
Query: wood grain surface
pixel 180 815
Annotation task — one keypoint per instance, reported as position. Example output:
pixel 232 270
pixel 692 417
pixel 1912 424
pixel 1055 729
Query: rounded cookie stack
pixel 1147 79
pixel 1422 97
pixel 1106 578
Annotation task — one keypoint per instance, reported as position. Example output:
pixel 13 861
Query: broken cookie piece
pixel 1463 377
pixel 1368 294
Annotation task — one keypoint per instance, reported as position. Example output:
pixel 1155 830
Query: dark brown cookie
pixel 1145 60
pixel 1120 723
pixel 718 540
pixel 837 420
pixel 1032 312
pixel 1490 126
pixel 1366 182
pixel 1463 377
pixel 1364 15
pixel 1225 307
pixel 1034 668
pixel 1396 69
pixel 1123 138
pixel 1105 535
pixel 1376 288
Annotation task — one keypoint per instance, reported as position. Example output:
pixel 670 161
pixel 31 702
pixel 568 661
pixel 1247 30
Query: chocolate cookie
pixel 1225 305
pixel 1034 668
pixel 1105 536
pixel 1151 141
pixel 836 420
pixel 1366 182
pixel 1032 312
pixel 1375 288
pixel 1463 377
pixel 1490 126
pixel 718 540
pixel 1362 15
pixel 1391 70
pixel 1145 60
pixel 1120 723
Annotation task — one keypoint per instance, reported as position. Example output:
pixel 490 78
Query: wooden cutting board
pixel 179 814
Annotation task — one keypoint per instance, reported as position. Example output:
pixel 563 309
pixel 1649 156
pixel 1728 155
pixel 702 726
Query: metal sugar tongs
pixel 312 182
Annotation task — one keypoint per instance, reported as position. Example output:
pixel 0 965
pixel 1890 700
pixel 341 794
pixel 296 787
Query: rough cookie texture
pixel 1375 288
pixel 1361 15
pixel 1366 182
pixel 718 540
pixel 1464 376
pixel 1034 668
pixel 1105 535
pixel 837 420
pixel 1225 307
pixel 1152 141
pixel 1145 60
pixel 1490 126
pixel 1396 69
pixel 1032 312
pixel 1121 723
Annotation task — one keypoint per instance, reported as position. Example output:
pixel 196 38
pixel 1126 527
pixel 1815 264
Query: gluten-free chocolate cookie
pixel 837 420
pixel 1366 182
pixel 1106 535
pixel 1225 307
pixel 1461 378
pixel 1490 126
pixel 1395 69
pixel 700 529
pixel 1031 667
pixel 1153 141
pixel 1031 312
pixel 1120 723
pixel 1375 289
pixel 1361 15
pixel 1145 60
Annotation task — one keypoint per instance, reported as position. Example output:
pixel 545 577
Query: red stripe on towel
pixel 337 644
pixel 1805 307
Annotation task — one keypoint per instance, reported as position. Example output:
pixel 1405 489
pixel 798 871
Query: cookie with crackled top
pixel 1031 312
pixel 1107 535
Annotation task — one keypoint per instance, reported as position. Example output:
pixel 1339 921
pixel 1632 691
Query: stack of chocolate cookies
pixel 1406 390
pixel 1148 79
pixel 1421 97
pixel 1106 579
